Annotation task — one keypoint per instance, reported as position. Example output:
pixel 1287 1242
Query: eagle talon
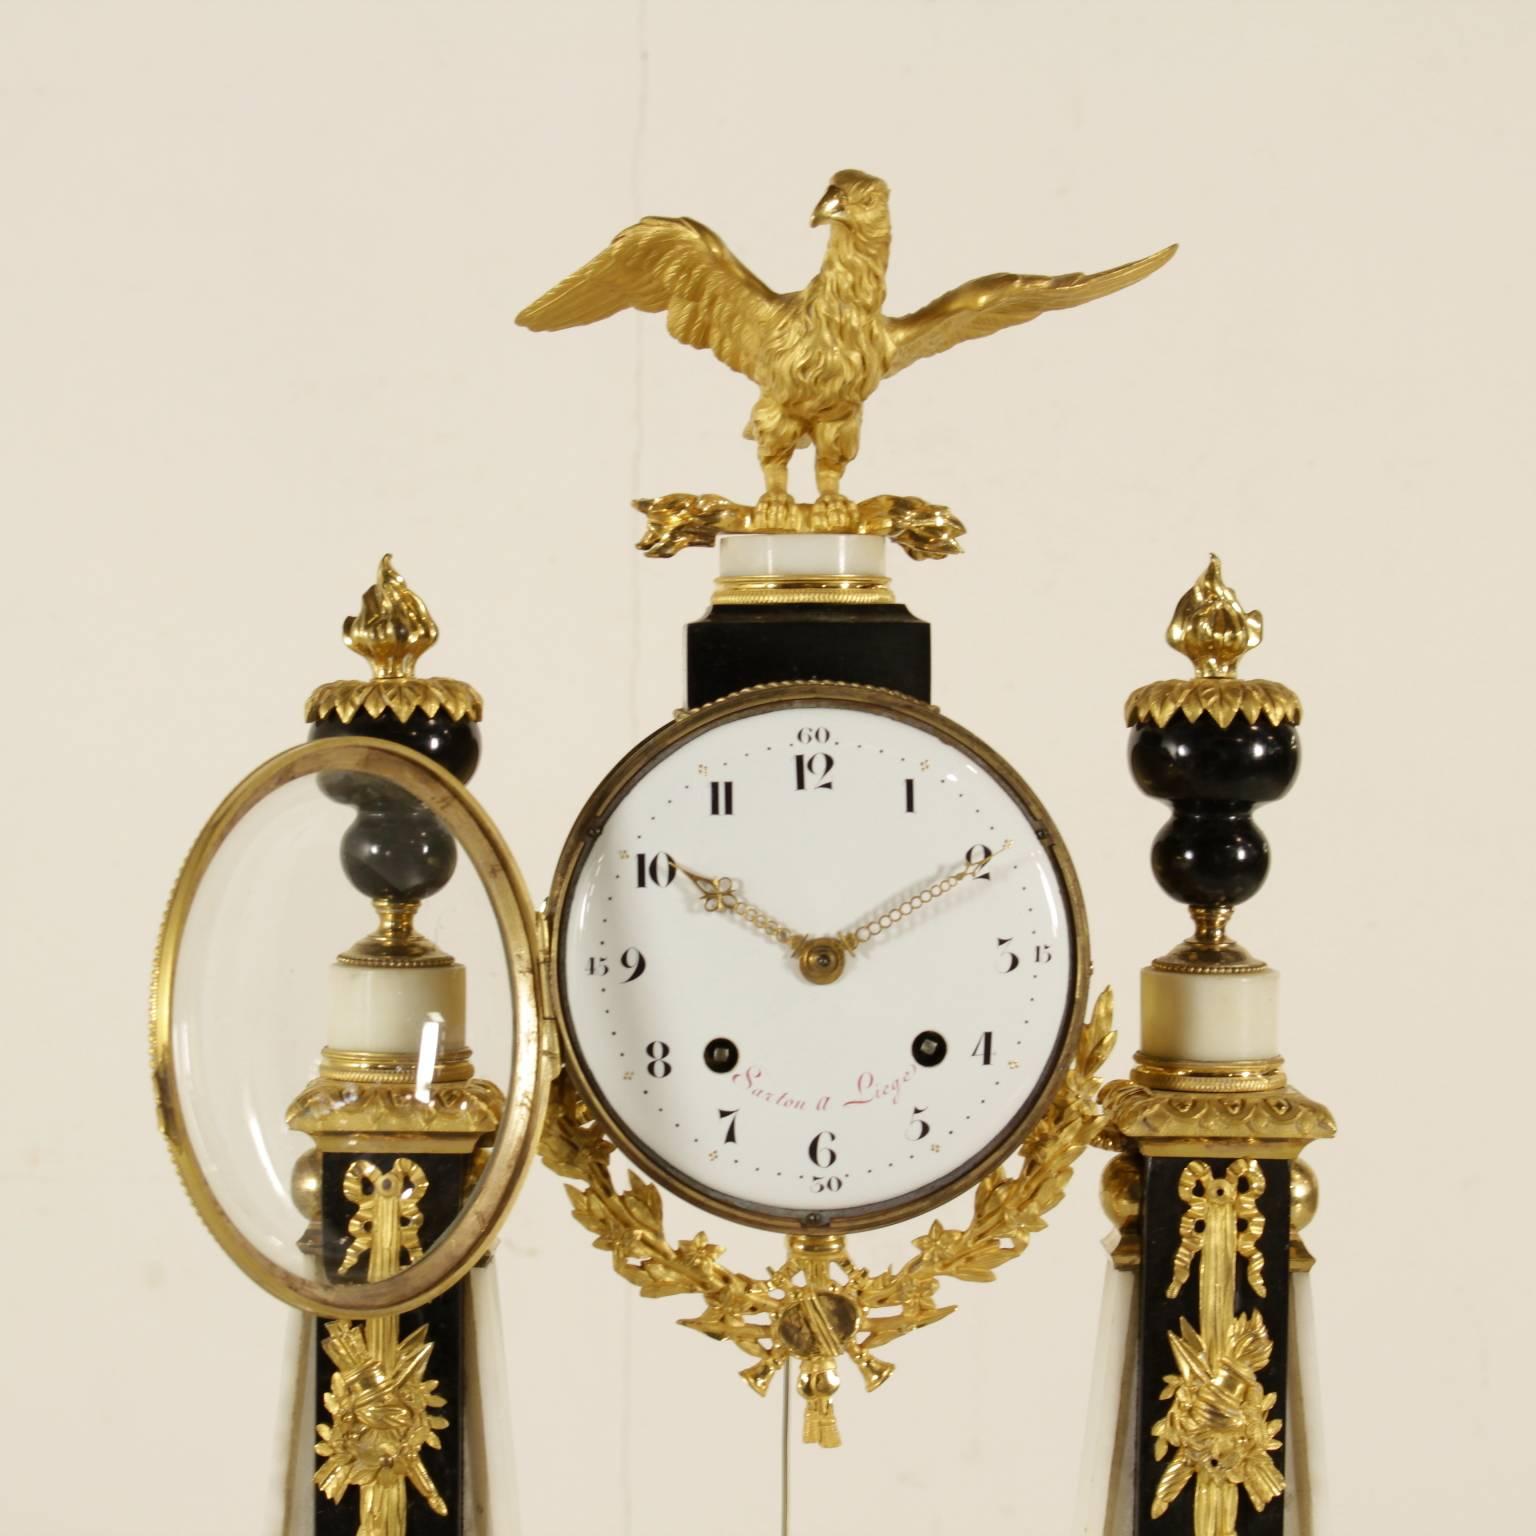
pixel 834 513
pixel 775 509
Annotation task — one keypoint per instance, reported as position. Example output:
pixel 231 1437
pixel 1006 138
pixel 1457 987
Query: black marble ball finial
pixel 396 852
pixel 1213 746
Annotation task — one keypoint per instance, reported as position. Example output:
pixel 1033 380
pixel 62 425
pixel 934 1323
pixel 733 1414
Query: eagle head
pixel 856 199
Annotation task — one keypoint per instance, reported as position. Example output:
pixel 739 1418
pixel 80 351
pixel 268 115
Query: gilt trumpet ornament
pixel 816 356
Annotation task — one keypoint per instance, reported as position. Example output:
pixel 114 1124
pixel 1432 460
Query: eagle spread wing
pixel 990 303
pixel 680 266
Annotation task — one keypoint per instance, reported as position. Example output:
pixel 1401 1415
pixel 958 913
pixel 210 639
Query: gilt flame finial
pixel 391 631
pixel 1211 627
pixel 392 628
pixel 1215 632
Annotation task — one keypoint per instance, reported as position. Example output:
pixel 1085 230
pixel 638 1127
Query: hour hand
pixel 718 891
pixel 720 894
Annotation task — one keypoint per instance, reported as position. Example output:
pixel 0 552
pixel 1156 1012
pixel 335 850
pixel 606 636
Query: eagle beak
pixel 828 209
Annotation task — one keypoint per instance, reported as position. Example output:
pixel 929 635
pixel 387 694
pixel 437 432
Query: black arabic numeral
pixel 975 856
pixel 823 1153
pixel 917 1127
pixel 1009 961
pixel 729 1116
pixel 633 962
pixel 721 798
pixel 984 1048
pixel 656 870
pixel 813 771
pixel 656 1058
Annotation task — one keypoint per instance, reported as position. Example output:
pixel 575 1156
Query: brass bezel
pixel 765 699
pixel 474 1230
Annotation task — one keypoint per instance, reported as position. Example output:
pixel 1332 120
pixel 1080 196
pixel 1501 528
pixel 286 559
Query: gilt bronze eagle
pixel 816 356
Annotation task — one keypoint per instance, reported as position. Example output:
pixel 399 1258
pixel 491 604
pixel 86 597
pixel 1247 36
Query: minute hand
pixel 893 915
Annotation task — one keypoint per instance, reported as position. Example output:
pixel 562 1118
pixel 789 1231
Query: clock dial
pixel 818 961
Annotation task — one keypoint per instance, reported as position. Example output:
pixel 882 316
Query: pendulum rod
pixel 784 1461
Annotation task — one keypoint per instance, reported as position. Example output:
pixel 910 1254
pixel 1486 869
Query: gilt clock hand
pixel 719 894
pixel 821 960
pixel 893 915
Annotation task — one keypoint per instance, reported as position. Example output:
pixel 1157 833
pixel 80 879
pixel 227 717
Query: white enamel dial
pixel 724 1068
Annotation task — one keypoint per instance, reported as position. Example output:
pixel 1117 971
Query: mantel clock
pixel 815 961
pixel 818 954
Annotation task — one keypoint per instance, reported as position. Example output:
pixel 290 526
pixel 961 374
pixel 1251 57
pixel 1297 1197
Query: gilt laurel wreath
pixel 803 1309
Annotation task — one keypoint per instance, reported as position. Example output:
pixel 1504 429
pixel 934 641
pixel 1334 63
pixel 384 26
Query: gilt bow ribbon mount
pixel 815 355
pixel 1217 1426
pixel 382 1403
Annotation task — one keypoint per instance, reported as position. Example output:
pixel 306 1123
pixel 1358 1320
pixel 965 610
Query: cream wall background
pixel 258 269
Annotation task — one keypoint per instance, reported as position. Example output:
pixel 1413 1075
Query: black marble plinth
pixel 1162 1210
pixel 880 645
pixel 444 1319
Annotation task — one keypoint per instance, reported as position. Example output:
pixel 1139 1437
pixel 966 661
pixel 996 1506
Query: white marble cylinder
pixel 801 554
pixel 1211 1018
pixel 390 1008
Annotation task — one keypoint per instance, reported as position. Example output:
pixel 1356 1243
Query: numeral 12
pixel 815 767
